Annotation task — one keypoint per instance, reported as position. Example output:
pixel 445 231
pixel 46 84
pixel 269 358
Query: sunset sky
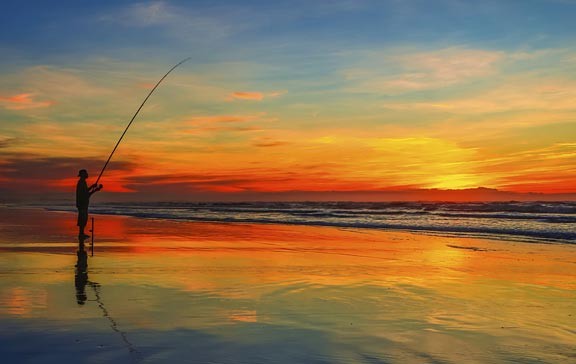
pixel 330 97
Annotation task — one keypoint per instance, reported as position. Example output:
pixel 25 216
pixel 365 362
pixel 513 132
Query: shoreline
pixel 125 233
pixel 456 232
pixel 502 238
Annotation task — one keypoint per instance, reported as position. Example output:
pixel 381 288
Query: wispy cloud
pixel 51 89
pixel 63 82
pixel 6 141
pixel 23 102
pixel 208 129
pixel 22 172
pixel 211 120
pixel 276 93
pixel 224 118
pixel 414 71
pixel 267 142
pixel 243 95
pixel 253 95
pixel 203 125
pixel 549 168
pixel 193 24
pixel 513 95
pixel 528 90
pixel 452 65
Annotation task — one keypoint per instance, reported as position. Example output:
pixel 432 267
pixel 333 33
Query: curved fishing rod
pixel 134 117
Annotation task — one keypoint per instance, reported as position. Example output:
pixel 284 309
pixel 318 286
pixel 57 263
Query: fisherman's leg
pixel 82 220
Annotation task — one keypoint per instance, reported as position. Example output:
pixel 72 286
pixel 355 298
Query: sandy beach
pixel 159 291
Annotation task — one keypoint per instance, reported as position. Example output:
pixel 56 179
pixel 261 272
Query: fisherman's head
pixel 83 173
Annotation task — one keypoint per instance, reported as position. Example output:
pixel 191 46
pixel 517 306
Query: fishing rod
pixel 134 117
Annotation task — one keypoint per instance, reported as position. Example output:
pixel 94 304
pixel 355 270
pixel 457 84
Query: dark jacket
pixel 82 194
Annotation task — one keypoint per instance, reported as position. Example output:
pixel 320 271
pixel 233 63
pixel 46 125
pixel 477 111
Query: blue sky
pixel 63 28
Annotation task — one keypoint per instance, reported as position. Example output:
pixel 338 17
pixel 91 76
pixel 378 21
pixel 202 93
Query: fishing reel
pixel 97 187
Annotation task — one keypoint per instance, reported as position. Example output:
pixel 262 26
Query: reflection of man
pixel 81 277
pixel 83 193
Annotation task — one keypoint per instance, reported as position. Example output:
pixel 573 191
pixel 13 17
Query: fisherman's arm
pixel 94 188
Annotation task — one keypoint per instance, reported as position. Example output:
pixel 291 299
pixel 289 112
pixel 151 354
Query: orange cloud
pixel 421 71
pixel 517 95
pixel 22 172
pixel 238 95
pixel 6 141
pixel 114 183
pixel 224 118
pixel 206 129
pixel 145 85
pixel 276 93
pixel 225 123
pixel 267 142
pixel 22 102
pixel 253 96
pixel 547 169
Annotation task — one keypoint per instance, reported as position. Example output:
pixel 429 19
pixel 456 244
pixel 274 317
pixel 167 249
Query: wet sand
pixel 182 292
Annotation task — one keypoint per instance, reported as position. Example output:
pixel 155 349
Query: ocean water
pixel 527 221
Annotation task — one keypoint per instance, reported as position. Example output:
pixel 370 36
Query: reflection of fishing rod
pixel 134 117
pixel 80 281
pixel 113 323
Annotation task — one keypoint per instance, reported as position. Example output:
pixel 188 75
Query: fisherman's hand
pixel 99 187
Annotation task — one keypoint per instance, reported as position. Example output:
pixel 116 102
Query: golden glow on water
pixel 20 301
pixel 395 295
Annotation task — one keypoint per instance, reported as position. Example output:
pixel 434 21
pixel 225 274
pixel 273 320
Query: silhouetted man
pixel 83 193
